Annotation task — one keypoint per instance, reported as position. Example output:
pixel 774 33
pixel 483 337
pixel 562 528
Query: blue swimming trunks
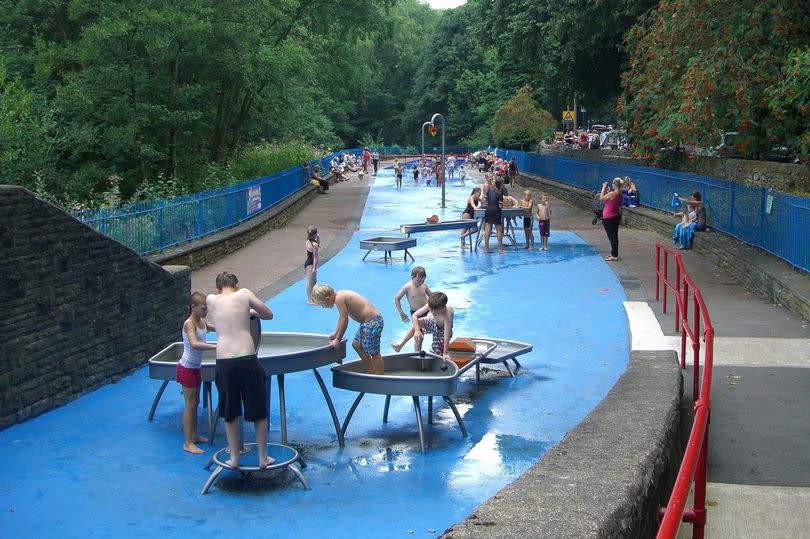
pixel 369 334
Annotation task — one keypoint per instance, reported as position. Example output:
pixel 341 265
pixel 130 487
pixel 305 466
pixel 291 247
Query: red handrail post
pixel 684 322
pixel 677 291
pixel 657 270
pixel 696 351
pixel 666 280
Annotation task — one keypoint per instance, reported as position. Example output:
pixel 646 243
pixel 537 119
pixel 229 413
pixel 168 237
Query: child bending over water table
pixel 416 291
pixel 435 317
pixel 351 304
pixel 189 369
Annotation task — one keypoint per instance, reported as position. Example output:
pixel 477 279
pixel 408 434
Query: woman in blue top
pixel 492 215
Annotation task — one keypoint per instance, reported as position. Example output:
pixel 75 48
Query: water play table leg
pixel 418 411
pixel 331 406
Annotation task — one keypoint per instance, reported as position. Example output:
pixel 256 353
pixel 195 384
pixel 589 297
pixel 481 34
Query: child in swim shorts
pixel 352 305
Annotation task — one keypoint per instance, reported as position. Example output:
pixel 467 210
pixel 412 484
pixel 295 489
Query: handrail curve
pixel 693 464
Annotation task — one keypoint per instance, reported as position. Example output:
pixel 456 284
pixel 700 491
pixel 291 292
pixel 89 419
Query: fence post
pixel 160 223
pixel 198 229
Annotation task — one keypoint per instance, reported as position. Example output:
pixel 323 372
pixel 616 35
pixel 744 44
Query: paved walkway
pixel 759 478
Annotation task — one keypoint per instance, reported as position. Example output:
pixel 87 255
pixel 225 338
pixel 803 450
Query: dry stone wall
pixel 79 309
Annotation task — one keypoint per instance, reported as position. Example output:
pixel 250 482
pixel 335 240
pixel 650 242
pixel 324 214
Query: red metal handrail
pixel 693 465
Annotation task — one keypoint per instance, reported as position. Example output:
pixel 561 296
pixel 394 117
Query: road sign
pixel 568 116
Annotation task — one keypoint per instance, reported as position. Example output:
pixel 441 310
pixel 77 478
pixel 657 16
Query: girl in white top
pixel 189 371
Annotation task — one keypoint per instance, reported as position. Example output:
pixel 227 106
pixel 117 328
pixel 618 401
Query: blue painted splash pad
pixel 95 467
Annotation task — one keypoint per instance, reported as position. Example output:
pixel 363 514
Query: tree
pixel 520 122
pixel 701 67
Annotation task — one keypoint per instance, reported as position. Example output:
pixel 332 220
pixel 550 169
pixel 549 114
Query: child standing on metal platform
pixel 241 381
pixel 416 291
pixel 189 369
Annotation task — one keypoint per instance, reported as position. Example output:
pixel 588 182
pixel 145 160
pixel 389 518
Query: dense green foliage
pixel 702 67
pixel 107 100
pixel 521 123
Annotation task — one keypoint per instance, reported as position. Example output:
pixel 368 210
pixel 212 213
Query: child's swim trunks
pixel 241 380
pixel 368 335
pixel 429 326
pixel 544 225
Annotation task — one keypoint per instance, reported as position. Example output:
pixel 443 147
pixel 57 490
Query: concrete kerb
pixel 760 272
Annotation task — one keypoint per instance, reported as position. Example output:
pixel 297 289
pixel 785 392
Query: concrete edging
pixel 608 476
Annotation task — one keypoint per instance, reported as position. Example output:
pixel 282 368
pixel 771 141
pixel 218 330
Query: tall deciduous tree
pixel 521 122
pixel 701 67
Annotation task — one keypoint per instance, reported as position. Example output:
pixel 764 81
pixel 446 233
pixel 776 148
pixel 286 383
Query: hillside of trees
pixel 104 101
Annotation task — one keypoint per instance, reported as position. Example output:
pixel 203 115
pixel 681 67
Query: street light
pixel 441 164
pixel 423 137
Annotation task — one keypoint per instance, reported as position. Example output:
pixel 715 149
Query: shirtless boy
pixel 439 322
pixel 239 377
pixel 351 304
pixel 416 291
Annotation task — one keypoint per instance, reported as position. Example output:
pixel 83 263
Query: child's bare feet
pixel 190 447
pixel 267 462
pixel 502 252
pixel 200 439
pixel 396 347
pixel 232 462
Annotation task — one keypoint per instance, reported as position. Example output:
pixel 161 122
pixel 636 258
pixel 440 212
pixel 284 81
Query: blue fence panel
pixel 738 210
pixel 151 226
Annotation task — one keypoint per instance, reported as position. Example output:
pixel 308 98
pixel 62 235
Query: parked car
pixel 613 140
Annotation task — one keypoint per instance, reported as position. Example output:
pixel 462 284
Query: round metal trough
pixel 278 353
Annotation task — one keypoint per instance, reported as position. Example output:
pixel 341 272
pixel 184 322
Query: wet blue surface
pixel 96 467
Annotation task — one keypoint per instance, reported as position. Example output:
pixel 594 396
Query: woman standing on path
pixel 311 263
pixel 612 215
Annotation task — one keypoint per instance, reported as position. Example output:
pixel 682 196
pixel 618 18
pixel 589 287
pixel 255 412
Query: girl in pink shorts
pixel 189 373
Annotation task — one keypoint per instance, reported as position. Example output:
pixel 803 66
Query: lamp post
pixel 426 124
pixel 441 164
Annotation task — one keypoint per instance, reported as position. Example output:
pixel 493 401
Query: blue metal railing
pixel 778 225
pixel 147 227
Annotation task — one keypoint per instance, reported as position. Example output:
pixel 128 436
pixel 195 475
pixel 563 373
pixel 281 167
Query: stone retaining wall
pixel 79 309
pixel 608 476
pixel 771 278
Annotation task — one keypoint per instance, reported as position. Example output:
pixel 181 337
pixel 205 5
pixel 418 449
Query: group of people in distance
pixel 494 198
pixel 429 168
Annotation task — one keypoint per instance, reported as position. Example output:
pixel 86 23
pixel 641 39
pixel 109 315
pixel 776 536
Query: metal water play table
pixel 414 374
pixel 509 215
pixel 453 224
pixel 388 244
pixel 278 354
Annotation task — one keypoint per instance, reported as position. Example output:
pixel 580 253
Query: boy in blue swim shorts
pixel 351 304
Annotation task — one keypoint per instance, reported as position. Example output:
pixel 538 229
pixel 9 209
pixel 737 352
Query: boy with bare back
pixel 351 304
pixel 239 377
pixel 435 317
pixel 416 291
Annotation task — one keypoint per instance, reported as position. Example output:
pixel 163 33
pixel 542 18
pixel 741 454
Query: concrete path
pixel 759 478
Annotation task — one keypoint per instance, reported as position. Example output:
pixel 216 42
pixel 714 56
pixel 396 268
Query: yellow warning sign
pixel 568 116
